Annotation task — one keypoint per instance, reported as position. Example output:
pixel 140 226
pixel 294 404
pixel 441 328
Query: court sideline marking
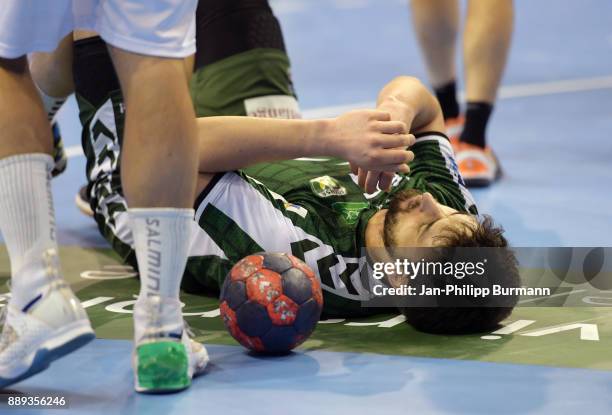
pixel 505 92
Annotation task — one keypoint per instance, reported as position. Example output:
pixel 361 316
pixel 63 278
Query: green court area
pixel 554 336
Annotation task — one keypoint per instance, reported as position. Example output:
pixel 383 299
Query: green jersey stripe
pixel 227 234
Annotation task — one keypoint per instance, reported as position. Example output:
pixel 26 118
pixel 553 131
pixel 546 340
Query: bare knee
pixel 52 72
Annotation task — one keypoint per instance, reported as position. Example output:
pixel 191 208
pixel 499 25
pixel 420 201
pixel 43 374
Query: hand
pixel 370 181
pixel 369 140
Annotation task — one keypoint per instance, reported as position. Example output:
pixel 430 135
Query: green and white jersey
pixel 315 210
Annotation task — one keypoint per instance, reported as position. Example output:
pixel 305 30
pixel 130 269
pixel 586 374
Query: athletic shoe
pixel 59 153
pixel 82 201
pixel 479 167
pixel 454 128
pixel 50 326
pixel 165 357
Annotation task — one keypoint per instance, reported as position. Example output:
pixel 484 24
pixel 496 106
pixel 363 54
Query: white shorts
pixel 164 28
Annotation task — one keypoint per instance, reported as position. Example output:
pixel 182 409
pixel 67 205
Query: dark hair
pixel 502 269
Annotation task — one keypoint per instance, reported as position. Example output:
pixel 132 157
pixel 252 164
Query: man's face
pixel 415 219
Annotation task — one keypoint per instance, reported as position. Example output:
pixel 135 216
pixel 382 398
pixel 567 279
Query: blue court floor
pixel 98 380
pixel 552 130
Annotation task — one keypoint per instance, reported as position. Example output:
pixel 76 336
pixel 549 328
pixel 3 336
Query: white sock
pixel 27 221
pixel 161 239
pixel 51 104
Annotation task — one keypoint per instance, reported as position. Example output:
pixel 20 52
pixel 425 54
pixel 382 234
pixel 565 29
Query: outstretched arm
pixel 367 138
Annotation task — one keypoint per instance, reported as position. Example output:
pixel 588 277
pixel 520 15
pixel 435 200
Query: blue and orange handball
pixel 271 302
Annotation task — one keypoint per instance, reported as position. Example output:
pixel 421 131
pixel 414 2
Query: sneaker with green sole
pixel 166 358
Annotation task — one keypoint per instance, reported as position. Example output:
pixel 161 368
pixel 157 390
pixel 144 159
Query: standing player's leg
pixel 95 82
pixel 261 60
pixel 488 32
pixel 436 23
pixel 52 75
pixel 158 174
pixel 44 320
pixel 160 118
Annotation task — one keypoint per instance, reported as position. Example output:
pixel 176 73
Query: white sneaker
pixel 50 326
pixel 165 357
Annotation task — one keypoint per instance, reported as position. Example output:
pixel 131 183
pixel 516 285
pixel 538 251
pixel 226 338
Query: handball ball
pixel 271 302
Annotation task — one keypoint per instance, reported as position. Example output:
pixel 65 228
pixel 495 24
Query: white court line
pixel 74 151
pixel 531 300
pixel 505 92
pixel 555 87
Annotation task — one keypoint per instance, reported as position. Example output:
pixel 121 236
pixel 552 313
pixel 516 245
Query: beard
pixel 402 202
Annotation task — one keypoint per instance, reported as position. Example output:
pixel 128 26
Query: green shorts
pixel 230 86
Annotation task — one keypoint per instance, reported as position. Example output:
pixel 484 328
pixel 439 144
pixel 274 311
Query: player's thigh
pixel 255 83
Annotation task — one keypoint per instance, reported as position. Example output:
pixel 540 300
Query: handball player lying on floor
pixel 253 196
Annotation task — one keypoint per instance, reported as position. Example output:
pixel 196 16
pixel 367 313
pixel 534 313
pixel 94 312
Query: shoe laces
pixel 189 330
pixel 3 314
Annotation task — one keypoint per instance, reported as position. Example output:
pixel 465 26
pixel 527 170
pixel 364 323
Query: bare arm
pixel 409 101
pixel 367 138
